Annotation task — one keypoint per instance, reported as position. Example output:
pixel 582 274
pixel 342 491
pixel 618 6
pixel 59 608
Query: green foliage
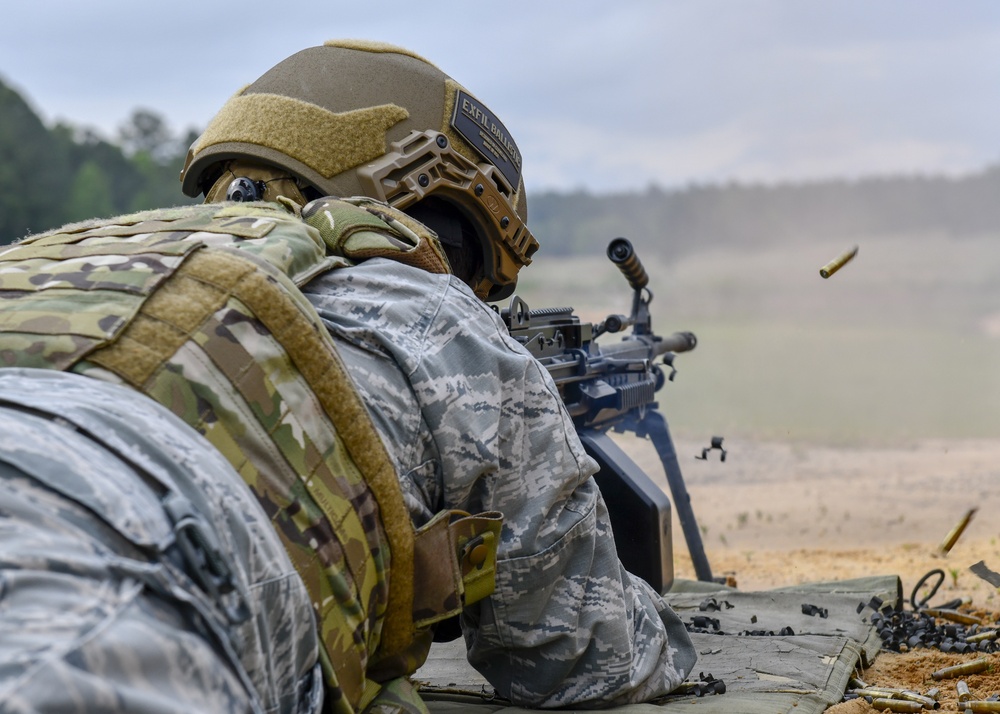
pixel 53 176
pixel 33 163
pixel 147 133
pixel 90 194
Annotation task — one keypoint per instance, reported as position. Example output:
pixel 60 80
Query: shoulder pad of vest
pixel 360 228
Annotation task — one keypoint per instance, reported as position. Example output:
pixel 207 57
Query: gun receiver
pixel 613 386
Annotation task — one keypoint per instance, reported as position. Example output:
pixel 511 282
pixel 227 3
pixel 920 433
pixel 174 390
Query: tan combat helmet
pixel 357 118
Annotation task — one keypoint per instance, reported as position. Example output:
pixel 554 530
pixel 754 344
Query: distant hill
pixel 51 175
pixel 695 218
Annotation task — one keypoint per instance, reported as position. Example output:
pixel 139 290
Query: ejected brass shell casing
pixel 952 615
pixel 878 692
pixel 981 706
pixel 962 689
pixel 837 263
pixel 949 540
pixel 980 636
pixel 934 693
pixel 897 705
pixel 974 667
pixel 856 683
pixel 924 701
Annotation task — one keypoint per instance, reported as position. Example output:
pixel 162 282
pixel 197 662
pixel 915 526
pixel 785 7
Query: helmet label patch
pixel 487 134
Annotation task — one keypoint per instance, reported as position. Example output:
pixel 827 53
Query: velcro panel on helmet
pixel 325 141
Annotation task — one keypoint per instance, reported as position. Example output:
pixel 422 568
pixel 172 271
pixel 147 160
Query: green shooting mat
pixel 804 670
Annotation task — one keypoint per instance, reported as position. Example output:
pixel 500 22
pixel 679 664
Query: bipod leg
pixel 655 425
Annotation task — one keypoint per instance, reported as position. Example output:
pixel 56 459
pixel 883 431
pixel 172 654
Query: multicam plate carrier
pixel 198 308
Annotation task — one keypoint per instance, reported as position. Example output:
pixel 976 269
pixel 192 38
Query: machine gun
pixel 613 387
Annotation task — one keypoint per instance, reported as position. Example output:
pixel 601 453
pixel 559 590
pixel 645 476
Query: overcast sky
pixel 599 95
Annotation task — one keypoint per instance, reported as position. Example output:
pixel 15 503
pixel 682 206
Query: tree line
pixel 696 218
pixel 54 175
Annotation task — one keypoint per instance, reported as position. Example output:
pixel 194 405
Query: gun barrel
pixel 622 254
pixel 679 342
pixel 648 348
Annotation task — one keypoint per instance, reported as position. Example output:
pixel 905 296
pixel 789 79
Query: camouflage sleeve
pixel 100 608
pixel 567 626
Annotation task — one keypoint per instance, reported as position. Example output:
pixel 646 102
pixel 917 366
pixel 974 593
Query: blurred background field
pixel 861 414
pixel 901 344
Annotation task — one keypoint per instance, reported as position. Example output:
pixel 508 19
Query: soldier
pixel 470 420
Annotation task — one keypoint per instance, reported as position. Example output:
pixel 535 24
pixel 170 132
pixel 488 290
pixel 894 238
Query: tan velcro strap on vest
pixel 454 564
pixel 476 539
pixel 199 287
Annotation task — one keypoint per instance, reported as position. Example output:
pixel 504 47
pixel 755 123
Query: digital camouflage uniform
pixel 475 423
pixel 100 609
pixel 471 420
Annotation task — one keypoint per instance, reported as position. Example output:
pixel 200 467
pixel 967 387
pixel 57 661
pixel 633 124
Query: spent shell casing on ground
pixel 856 683
pixel 974 667
pixel 949 540
pixel 877 692
pixel 934 693
pixel 839 262
pixel 962 689
pixel 952 615
pixel 897 705
pixel 925 701
pixel 980 636
pixel 981 706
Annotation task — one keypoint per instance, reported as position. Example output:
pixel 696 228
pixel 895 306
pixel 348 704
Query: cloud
pixel 580 155
pixel 830 154
pixel 608 96
pixel 561 155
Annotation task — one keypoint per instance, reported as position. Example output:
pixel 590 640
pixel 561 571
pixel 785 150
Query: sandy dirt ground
pixel 780 514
